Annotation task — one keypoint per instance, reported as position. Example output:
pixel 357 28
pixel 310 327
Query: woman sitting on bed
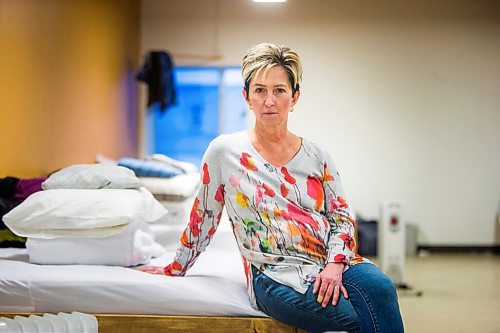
pixel 288 211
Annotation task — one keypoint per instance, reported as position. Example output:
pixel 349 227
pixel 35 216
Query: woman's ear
pixel 245 94
pixel 295 98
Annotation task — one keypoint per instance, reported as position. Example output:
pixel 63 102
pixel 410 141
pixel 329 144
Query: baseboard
pixel 460 248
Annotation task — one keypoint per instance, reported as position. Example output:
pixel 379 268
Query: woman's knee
pixel 372 281
pixel 380 286
pixel 386 289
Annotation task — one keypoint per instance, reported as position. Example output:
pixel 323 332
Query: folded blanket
pixel 186 167
pixel 26 187
pixel 143 168
pixel 135 245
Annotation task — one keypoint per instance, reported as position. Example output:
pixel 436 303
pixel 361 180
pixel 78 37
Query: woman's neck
pixel 277 135
pixel 275 147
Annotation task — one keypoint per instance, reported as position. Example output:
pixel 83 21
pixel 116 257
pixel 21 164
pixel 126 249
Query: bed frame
pixel 118 323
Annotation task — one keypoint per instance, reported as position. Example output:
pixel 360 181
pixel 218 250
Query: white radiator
pixel 76 322
pixel 391 243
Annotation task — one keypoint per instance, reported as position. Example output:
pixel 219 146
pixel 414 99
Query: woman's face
pixel 270 97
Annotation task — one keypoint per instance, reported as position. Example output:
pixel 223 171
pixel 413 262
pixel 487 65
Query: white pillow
pixel 92 176
pixel 82 213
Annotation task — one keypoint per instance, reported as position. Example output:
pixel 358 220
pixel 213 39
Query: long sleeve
pixel 341 242
pixel 205 214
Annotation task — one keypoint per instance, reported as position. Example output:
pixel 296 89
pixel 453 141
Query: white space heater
pixel 391 249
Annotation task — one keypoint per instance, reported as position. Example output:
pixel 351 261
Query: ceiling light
pixel 269 0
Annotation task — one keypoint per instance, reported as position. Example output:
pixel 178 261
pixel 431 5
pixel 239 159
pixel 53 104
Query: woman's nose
pixel 269 99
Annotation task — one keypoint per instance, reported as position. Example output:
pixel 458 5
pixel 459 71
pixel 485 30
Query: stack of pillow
pixel 89 214
pixel 173 183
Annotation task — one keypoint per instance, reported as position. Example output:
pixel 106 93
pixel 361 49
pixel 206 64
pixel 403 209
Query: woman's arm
pixel 342 237
pixel 204 218
pixel 341 240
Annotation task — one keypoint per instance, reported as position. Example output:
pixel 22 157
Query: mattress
pixel 214 286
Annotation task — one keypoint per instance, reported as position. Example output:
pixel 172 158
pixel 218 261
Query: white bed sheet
pixel 215 286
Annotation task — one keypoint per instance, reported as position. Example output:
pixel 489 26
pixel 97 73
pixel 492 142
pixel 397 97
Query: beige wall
pixel 405 95
pixel 68 88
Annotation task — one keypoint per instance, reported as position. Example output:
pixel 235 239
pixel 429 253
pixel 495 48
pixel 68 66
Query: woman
pixel 287 208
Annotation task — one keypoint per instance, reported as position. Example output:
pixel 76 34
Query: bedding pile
pixel 173 183
pixel 95 214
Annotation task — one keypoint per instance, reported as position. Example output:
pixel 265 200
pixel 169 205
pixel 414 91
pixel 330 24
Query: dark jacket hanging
pixel 157 72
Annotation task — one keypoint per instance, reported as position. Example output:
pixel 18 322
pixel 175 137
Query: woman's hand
pixel 329 282
pixel 151 270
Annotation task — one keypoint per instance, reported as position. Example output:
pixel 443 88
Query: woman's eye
pixel 259 90
pixel 281 90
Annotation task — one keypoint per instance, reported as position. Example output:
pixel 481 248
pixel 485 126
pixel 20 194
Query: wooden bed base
pixel 118 323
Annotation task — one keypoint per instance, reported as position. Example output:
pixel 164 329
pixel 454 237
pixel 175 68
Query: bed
pixel 211 298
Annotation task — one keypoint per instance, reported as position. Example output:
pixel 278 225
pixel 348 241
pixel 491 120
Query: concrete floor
pixel 461 294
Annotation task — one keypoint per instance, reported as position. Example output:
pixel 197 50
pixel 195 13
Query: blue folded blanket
pixel 143 168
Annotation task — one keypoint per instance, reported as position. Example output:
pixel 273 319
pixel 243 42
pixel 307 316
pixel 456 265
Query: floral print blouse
pixel 289 221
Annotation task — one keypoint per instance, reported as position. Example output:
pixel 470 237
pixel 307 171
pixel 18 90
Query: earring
pixel 250 107
pixel 291 109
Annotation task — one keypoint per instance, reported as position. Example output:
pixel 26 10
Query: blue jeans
pixel 372 305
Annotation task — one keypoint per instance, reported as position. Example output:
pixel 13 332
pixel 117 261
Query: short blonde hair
pixel 264 56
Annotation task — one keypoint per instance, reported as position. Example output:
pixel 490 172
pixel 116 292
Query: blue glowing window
pixel 209 103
